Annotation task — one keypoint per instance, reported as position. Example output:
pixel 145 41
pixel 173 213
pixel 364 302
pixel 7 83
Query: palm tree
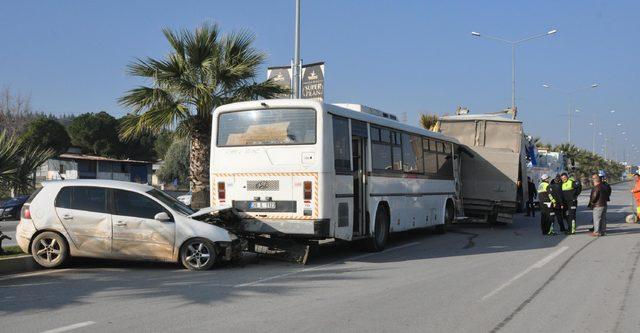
pixel 203 70
pixel 428 121
pixel 18 163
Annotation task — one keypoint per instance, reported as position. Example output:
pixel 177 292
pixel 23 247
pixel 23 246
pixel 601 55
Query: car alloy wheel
pixel 198 254
pixel 49 249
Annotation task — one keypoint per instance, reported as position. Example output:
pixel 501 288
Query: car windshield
pixel 15 201
pixel 267 127
pixel 172 202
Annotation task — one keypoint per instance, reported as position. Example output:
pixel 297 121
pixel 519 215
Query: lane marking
pixel 538 264
pixel 310 269
pixel 70 327
pixel 42 272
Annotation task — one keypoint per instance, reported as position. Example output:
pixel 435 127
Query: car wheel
pixel 49 249
pixel 198 254
pixel 381 231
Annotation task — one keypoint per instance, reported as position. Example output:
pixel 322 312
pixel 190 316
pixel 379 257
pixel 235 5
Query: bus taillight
pixel 307 190
pixel 221 191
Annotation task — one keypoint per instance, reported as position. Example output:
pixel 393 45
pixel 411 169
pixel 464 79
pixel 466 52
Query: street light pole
pixel 296 52
pixel 513 44
pixel 569 94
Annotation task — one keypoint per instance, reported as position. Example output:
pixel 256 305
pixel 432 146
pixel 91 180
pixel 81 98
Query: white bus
pixel 308 170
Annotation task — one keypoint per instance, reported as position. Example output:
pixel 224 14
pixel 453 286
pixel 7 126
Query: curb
pixel 17 264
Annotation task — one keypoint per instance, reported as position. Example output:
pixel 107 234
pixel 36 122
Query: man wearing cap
pixel 546 201
pixel 636 192
pixel 556 190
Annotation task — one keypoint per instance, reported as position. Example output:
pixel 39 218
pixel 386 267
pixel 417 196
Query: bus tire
pixel 380 231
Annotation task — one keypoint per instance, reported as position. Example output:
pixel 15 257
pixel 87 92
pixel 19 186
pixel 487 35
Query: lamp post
pixel 569 94
pixel 296 54
pixel 513 44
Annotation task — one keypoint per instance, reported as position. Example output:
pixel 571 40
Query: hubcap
pixel 48 249
pixel 198 254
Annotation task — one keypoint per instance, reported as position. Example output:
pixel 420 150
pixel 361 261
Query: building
pixel 74 165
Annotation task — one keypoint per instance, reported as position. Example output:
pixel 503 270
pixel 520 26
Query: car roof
pixel 99 183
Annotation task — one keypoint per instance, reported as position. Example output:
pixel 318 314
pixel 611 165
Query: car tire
pixel 381 231
pixel 198 254
pixel 49 249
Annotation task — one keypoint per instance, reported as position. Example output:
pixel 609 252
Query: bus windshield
pixel 267 127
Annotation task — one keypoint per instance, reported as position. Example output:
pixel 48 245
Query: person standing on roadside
pixel 546 202
pixel 570 191
pixel 598 202
pixel 533 193
pixel 556 191
pixel 636 192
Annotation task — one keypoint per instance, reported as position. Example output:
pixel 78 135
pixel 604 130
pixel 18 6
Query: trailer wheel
pixel 381 231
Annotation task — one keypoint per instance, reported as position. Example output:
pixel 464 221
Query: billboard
pixel 312 77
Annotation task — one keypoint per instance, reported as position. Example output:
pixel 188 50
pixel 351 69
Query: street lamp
pixel 513 44
pixel 569 94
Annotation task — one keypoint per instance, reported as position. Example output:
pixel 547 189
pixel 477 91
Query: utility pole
pixel 296 55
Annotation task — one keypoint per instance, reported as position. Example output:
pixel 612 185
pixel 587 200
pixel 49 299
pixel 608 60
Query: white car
pixel 119 220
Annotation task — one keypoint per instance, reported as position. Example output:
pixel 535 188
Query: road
pixel 475 278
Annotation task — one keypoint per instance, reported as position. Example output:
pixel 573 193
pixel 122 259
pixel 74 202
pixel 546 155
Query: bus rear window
pixel 267 127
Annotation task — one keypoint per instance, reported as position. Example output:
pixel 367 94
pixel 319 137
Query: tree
pixel 428 121
pixel 15 112
pixel 176 163
pixel 141 147
pixel 47 132
pixel 162 144
pixel 19 161
pixel 96 133
pixel 203 70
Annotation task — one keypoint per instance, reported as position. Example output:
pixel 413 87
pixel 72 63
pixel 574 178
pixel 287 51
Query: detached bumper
pixel 304 228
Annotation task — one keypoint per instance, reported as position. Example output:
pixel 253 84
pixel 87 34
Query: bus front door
pixel 358 150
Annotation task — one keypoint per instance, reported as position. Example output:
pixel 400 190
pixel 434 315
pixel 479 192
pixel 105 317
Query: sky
pixel 398 56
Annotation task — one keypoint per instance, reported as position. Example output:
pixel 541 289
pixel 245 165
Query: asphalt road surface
pixel 475 278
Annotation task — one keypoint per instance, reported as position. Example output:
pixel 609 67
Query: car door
pixel 83 212
pixel 136 234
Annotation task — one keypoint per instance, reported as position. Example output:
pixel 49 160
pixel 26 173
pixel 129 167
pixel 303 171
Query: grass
pixel 11 251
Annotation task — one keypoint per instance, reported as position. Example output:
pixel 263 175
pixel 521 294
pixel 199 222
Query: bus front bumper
pixel 303 228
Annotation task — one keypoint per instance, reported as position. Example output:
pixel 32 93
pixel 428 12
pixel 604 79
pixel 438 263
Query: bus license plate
pixel 262 205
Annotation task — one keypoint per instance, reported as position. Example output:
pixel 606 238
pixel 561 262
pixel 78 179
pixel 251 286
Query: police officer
pixel 556 191
pixel 570 191
pixel 546 202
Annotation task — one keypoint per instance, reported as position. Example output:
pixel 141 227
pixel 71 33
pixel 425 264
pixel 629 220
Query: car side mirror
pixel 162 217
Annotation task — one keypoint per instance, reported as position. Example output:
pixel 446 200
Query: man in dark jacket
pixel 532 195
pixel 598 202
pixel 556 190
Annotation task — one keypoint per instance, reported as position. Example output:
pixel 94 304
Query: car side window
pixel 87 198
pixel 133 204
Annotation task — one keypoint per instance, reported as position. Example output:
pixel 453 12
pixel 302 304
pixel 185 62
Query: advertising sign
pixel 312 85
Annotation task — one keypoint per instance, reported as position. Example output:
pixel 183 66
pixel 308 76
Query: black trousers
pixel 530 208
pixel 570 215
pixel 546 219
pixel 558 211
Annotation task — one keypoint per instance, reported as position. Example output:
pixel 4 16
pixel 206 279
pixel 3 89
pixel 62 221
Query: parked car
pixel 118 220
pixel 185 198
pixel 10 209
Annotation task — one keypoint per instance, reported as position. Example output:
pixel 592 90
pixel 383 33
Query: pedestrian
pixel 570 192
pixel 533 193
pixel 546 202
pixel 556 191
pixel 598 202
pixel 605 187
pixel 636 192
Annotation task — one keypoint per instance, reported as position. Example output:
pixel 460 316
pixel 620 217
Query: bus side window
pixel 430 157
pixel 341 152
pixel 381 149
pixel 396 151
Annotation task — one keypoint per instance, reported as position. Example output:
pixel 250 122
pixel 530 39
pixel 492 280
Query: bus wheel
pixel 381 231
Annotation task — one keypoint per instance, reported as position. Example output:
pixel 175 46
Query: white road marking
pixel 36 273
pixel 250 284
pixel 538 264
pixel 70 327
